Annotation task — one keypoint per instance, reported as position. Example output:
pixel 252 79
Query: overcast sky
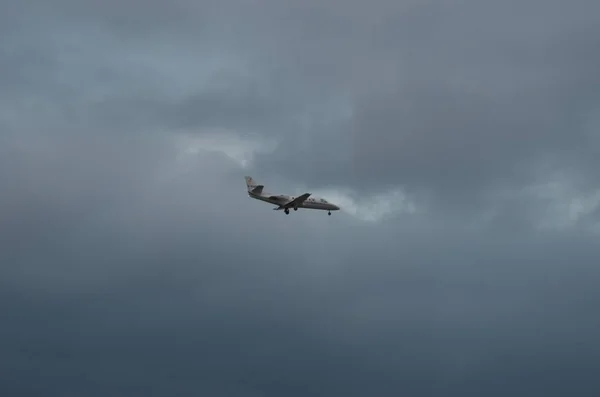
pixel 460 138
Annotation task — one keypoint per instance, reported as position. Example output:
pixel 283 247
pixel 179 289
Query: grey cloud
pixel 128 268
pixel 443 100
pixel 475 102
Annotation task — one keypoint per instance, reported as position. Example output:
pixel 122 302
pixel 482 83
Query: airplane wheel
pixel 295 209
pixel 329 213
pixel 287 212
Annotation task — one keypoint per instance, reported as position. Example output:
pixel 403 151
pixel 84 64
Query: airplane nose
pixel 335 207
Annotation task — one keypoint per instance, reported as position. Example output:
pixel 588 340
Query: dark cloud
pixel 199 319
pixel 132 262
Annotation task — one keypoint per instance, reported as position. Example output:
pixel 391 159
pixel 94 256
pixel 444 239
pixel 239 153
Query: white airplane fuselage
pixel 286 202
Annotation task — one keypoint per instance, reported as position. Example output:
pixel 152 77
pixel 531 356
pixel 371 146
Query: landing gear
pixel 295 208
pixel 287 211
pixel 329 213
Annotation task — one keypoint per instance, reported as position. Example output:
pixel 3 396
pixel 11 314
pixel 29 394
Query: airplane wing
pixel 297 201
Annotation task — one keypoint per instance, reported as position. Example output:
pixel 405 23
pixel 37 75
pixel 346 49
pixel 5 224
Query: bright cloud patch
pixel 564 206
pixel 556 204
pixel 371 208
pixel 232 145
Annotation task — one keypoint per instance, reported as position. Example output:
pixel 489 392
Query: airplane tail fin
pixel 252 186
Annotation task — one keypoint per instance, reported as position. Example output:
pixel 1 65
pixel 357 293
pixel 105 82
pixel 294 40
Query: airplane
pixel 285 202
